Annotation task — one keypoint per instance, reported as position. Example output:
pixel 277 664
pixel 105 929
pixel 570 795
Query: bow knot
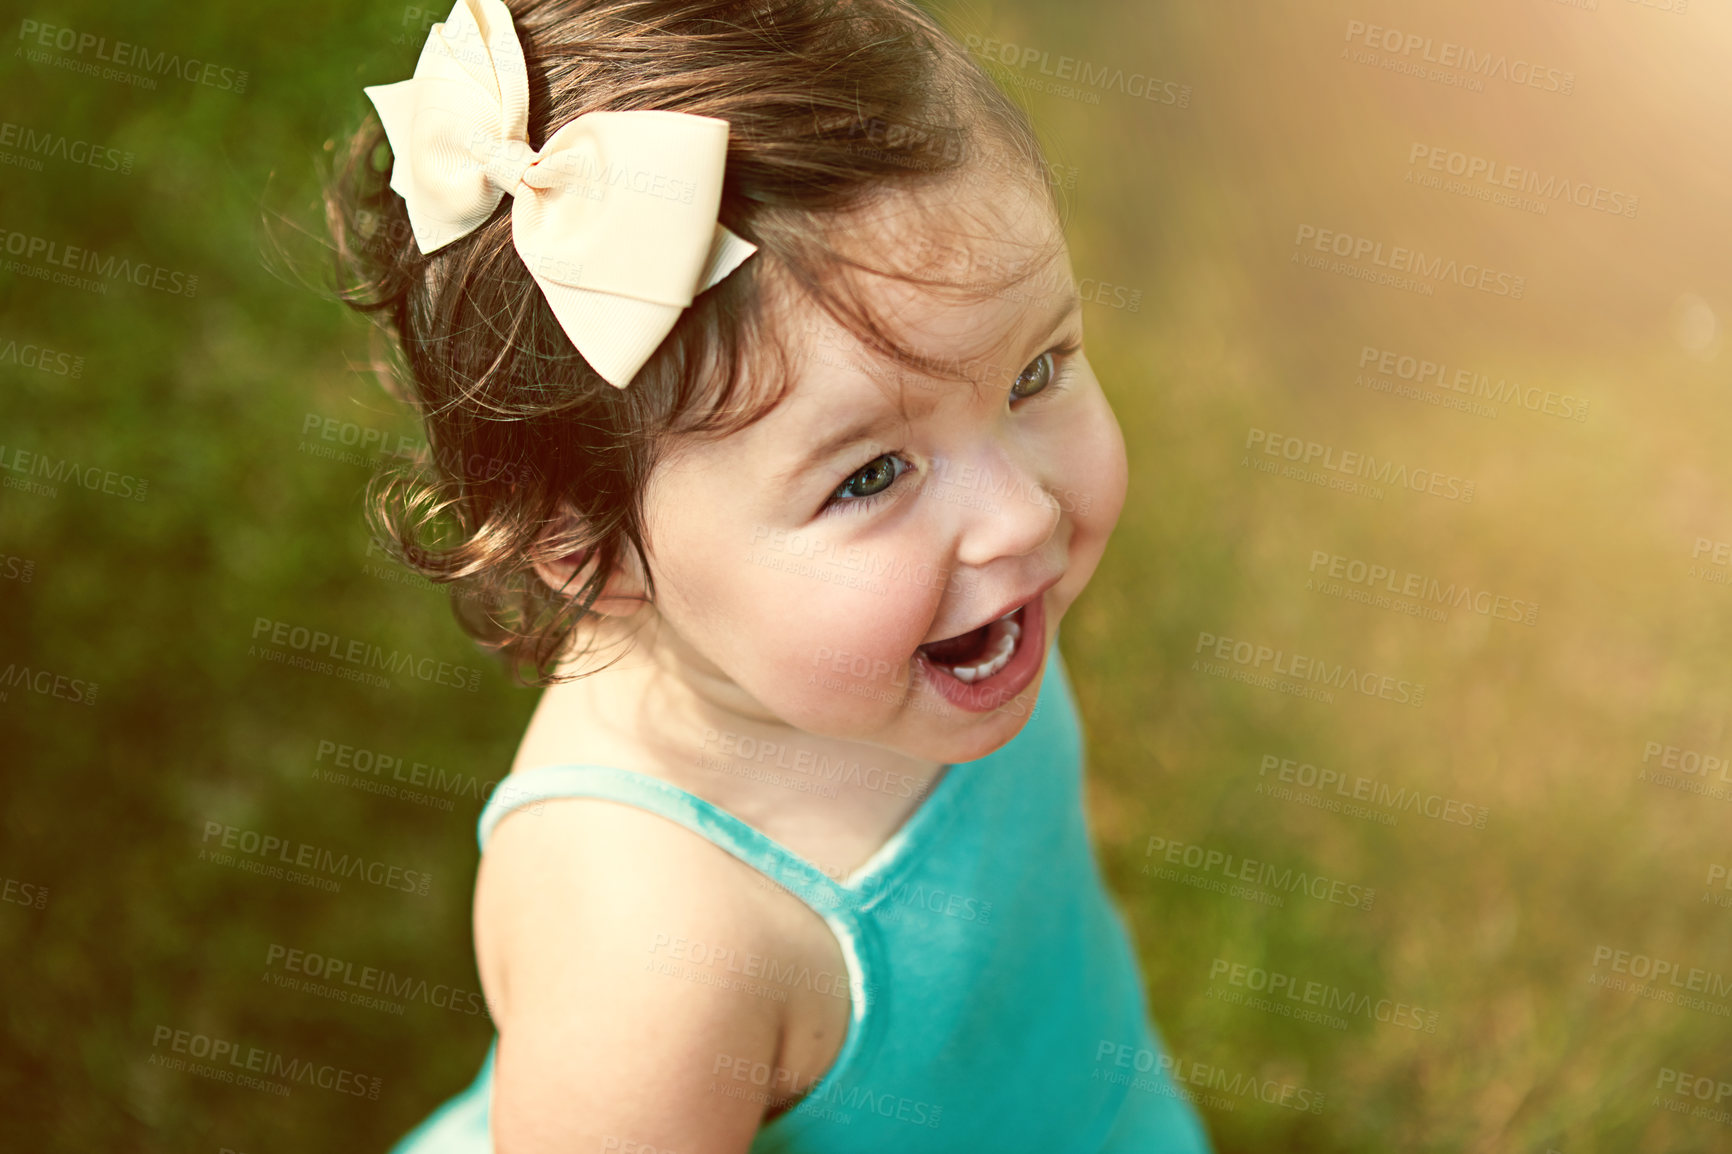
pixel 615 217
pixel 509 161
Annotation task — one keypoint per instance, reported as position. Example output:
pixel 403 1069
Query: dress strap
pixel 709 821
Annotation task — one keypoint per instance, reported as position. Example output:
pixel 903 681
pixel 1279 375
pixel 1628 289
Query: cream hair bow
pixel 615 217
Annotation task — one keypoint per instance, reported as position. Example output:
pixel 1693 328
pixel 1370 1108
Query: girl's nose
pixel 1002 509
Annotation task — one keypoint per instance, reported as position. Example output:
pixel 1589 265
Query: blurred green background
pixel 118 922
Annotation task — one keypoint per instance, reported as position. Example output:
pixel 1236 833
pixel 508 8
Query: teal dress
pixel 997 1003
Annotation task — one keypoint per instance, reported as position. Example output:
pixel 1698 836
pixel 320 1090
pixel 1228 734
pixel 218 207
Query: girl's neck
pixel 660 709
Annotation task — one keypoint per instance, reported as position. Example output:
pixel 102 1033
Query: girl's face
pixel 805 565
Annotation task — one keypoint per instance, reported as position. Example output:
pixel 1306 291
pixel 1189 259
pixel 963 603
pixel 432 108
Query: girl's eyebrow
pixel 882 418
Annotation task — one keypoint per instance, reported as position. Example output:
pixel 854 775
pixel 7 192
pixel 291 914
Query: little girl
pixel 749 353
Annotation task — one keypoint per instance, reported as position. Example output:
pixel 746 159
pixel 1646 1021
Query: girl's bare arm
pixel 579 908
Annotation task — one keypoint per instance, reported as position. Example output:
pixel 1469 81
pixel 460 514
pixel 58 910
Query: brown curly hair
pixel 531 456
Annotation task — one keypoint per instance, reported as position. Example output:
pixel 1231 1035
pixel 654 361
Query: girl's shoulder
pixel 624 881
pixel 598 925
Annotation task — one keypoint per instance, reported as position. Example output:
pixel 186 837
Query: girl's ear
pixel 622 596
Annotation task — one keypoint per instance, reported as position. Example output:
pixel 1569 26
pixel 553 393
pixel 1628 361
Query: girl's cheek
pixel 870 628
pixel 1095 471
pixel 888 619
pixel 1110 480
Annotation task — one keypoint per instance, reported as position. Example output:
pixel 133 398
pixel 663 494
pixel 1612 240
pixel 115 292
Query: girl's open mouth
pixel 983 668
pixel 979 653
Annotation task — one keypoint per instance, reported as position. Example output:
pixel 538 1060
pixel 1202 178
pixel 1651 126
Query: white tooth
pixel 998 660
pixel 1003 638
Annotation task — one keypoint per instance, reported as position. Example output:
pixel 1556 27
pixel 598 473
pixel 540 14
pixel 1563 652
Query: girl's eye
pixel 872 480
pixel 868 482
pixel 1037 376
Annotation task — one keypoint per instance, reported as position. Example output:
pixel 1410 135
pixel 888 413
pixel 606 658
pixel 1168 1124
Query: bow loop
pixel 615 217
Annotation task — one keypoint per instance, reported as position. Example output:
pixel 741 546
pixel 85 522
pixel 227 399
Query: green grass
pixel 1494 930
